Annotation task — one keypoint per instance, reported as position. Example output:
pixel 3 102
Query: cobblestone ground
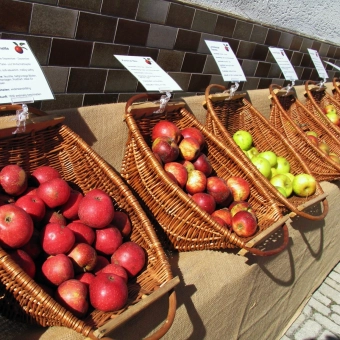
pixel 320 318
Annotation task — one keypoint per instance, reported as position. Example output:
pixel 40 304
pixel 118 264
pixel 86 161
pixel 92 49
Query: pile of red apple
pixel 182 154
pixel 75 245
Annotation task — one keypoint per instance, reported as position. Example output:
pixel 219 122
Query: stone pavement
pixel 320 318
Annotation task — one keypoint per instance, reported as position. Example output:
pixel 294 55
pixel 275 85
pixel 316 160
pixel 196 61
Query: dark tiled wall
pixel 75 40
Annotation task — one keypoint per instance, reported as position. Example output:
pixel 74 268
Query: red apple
pixel 202 163
pixel 131 256
pixel 70 208
pixel 25 261
pixel 187 164
pixel 53 216
pixel 82 232
pixel 84 257
pixel 122 222
pixel 107 240
pixel 33 205
pixel 108 292
pixel 13 179
pixel 240 188
pixel 165 128
pixel 33 247
pixel 189 148
pixel 329 108
pixel 197 182
pixel 114 268
pixel 166 148
pixel 220 221
pixel 205 201
pixel 57 239
pixel 224 214
pixel 73 295
pixel 323 146
pixel 102 262
pixel 194 133
pixel 44 173
pixel 314 140
pixel 31 191
pixel 237 206
pixel 54 192
pixel 86 278
pixel 244 224
pixel 217 187
pixel 57 269
pixel 96 209
pixel 16 226
pixel 179 172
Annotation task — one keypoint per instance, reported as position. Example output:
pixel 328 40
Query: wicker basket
pixel 292 119
pixel 226 115
pixel 182 225
pixel 316 98
pixel 20 296
pixel 336 89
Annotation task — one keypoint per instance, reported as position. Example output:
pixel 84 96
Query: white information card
pixel 335 66
pixel 318 63
pixel 21 78
pixel 284 63
pixel 226 61
pixel 149 73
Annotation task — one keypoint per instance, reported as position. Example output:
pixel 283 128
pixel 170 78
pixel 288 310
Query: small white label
pixel 284 63
pixel 21 78
pixel 318 63
pixel 335 66
pixel 226 61
pixel 148 73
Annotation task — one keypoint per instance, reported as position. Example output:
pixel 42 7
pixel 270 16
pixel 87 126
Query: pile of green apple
pixel 331 113
pixel 275 168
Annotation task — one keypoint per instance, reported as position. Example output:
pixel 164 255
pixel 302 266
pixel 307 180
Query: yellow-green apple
pixel 179 172
pixel 282 181
pixel 103 287
pixel 314 140
pixel 165 128
pixel 33 205
pixel 16 226
pixel 44 173
pixel 13 179
pixel 24 260
pixel 330 108
pixel 282 166
pixel 189 148
pixel 273 172
pixel 243 139
pixel 251 152
pixel 240 188
pixel 290 176
pixel 304 185
pixel 282 191
pixel 324 147
pixel 194 133
pixel 244 224
pixel 122 221
pixel 166 149
pixel 202 163
pixel 83 256
pixel 217 187
pixel 312 133
pixel 57 269
pixel 333 117
pixel 197 182
pixel 82 232
pixel 54 192
pixel 224 214
pixel 96 209
pixel 205 201
pixel 237 206
pixel 107 240
pixel 73 295
pixel 262 165
pixel 334 157
pixel 270 156
pixel 131 256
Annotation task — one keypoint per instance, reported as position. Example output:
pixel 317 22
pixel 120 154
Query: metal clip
pixel 163 101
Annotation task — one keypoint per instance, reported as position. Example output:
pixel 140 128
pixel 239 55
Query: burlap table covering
pixel 221 295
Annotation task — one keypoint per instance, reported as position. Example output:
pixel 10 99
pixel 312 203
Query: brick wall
pixel 75 40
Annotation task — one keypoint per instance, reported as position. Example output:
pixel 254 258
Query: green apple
pixel 243 139
pixel 312 133
pixel 282 191
pixel 269 156
pixel 262 165
pixel 282 166
pixel 283 181
pixel 304 185
pixel 252 152
pixel 290 176
pixel 324 147
pixel 273 172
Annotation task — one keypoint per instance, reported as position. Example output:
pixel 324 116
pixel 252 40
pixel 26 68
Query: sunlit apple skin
pixel 24 260
pixel 243 139
pixel 244 224
pixel 57 269
pixel 179 172
pixel 107 240
pixel 189 148
pixel 33 205
pixel 304 185
pixel 165 128
pixel 283 181
pixel 16 226
pixel 262 165
pixel 324 148
pixel 82 232
pixel 122 221
pixel 194 133
pixel 282 166
pixel 224 214
pixel 314 140
pixel 53 216
pixel 203 164
pixel 333 117
pixel 334 157
pixel 83 256
pixel 197 182
pixel 240 188
pixel 252 152
pixel 217 187
pixel 312 133
pixel 54 192
pixel 237 206
pixel 166 149
pixel 329 109
pixel 270 156
pixel 73 295
pixel 205 201
pixel 187 164
pixel 44 173
pixel 13 179
pixel 114 268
